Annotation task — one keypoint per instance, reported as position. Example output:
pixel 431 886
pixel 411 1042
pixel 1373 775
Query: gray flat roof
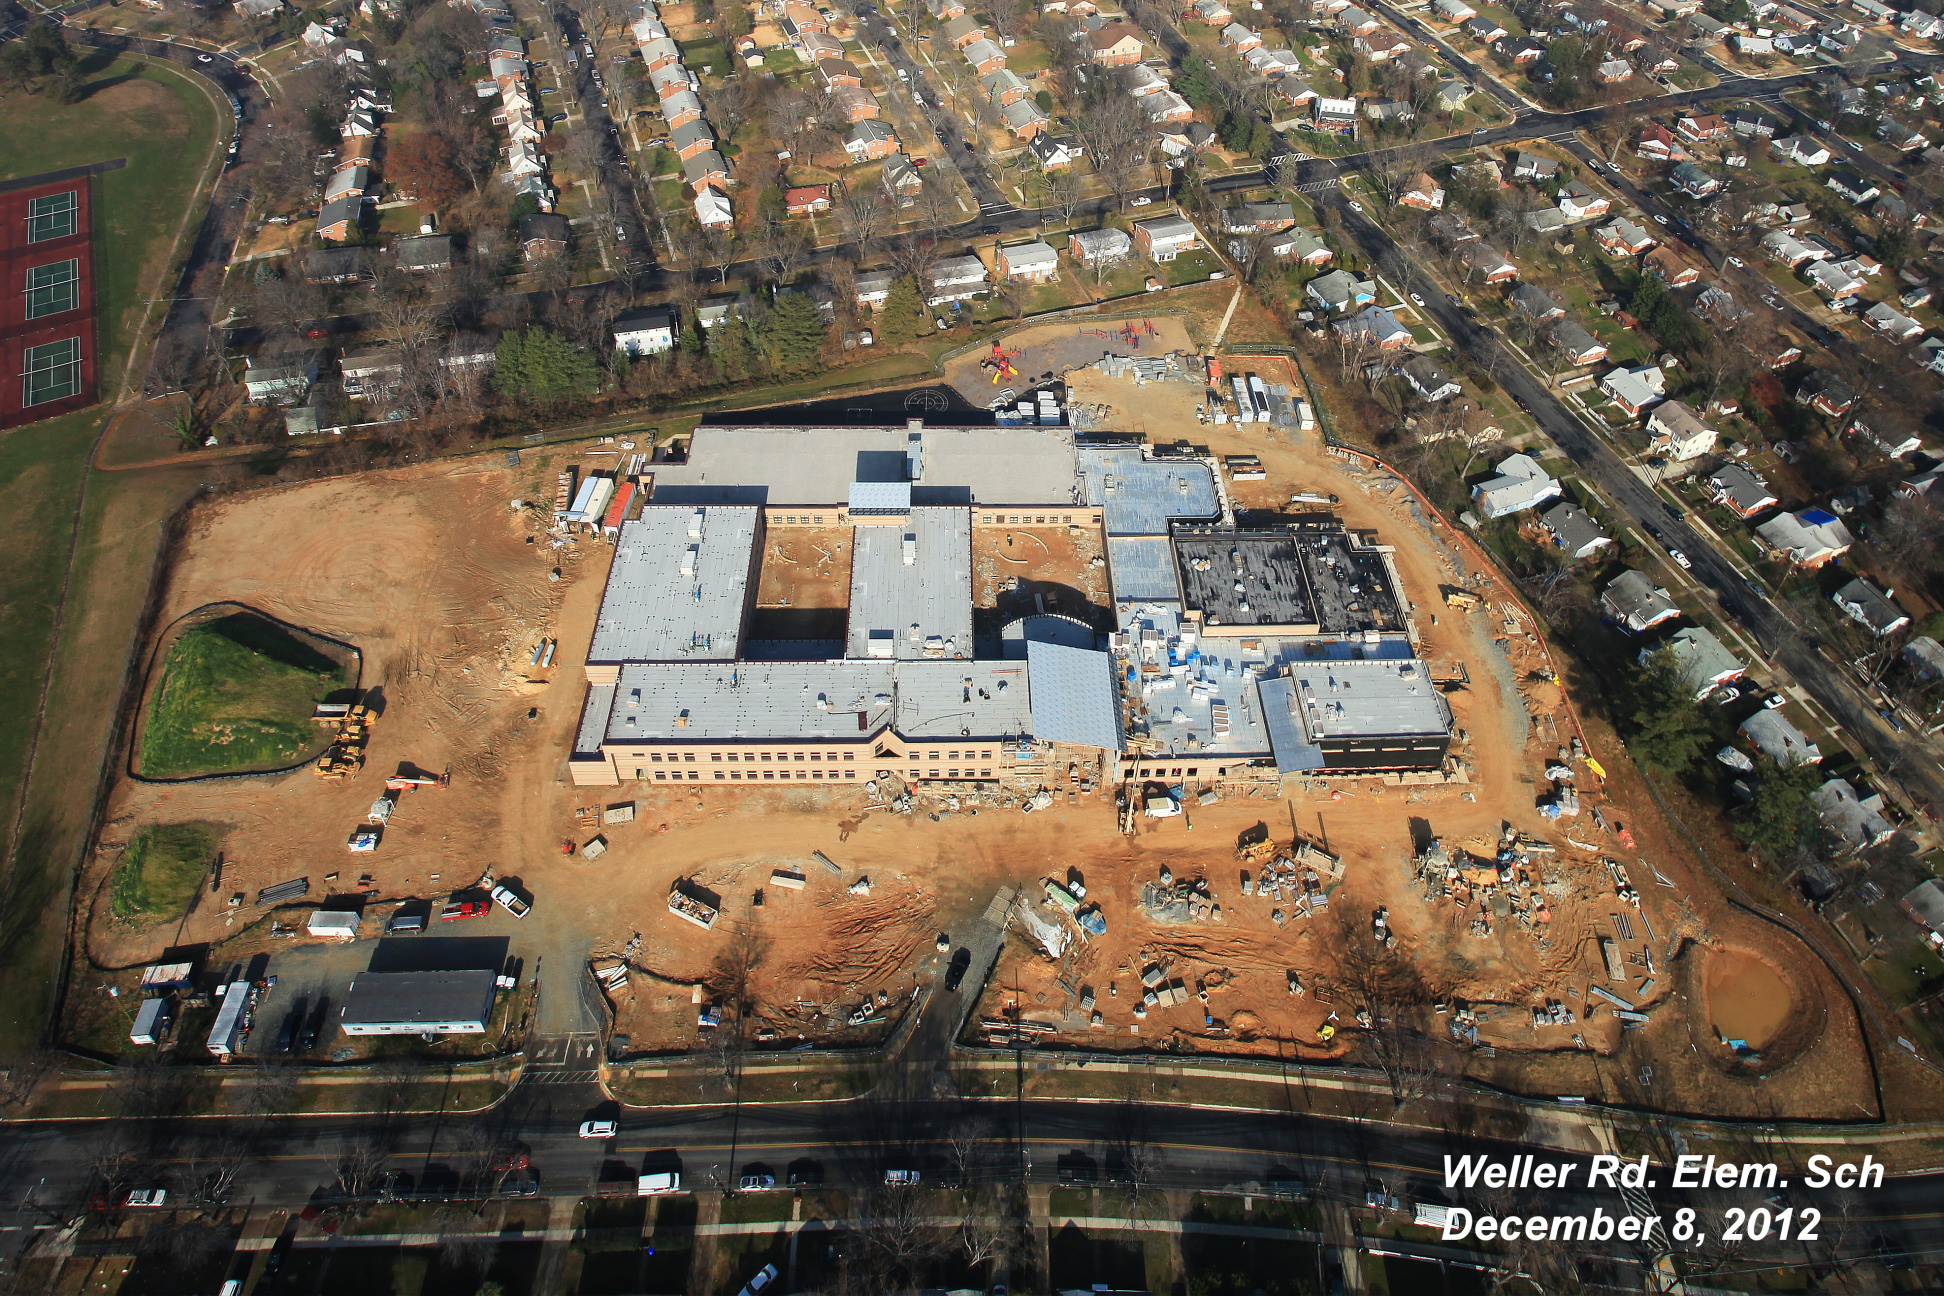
pixel 1368 699
pixel 1319 576
pixel 916 608
pixel 1140 496
pixel 1293 750
pixel 720 701
pixel 594 719
pixel 419 1000
pixel 816 465
pixel 1142 568
pixel 653 610
pixel 1182 716
pixel 1073 695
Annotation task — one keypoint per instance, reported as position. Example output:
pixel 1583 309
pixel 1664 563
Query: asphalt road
pixel 620 227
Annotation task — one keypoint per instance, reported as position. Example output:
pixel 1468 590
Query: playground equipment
pixel 1000 363
pixel 1128 335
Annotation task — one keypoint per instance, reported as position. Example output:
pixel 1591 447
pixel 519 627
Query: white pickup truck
pixel 511 903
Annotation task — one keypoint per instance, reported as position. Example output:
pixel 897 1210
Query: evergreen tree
pixel 904 312
pixel 794 333
pixel 732 349
pixel 692 340
pixel 1782 814
pixel 539 365
pixel 1669 730
pixel 1261 140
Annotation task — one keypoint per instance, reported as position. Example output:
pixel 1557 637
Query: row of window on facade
pixel 675 758
pixel 678 776
pixel 985 519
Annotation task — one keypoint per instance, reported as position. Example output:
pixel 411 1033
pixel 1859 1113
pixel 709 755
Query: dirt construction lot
pixel 446 588
pixel 1052 349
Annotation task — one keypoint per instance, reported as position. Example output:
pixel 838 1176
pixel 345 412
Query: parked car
pixel 756 1182
pixel 764 1277
pixel 906 1178
pixel 1680 558
pixel 598 1129
pixel 147 1197
pixel 1140 202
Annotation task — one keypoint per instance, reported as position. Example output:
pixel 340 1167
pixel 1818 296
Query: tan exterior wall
pixel 775 761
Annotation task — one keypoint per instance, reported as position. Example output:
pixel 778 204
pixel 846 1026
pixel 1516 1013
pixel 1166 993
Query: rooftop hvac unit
pixel 910 548
pixel 689 556
pixel 915 456
pixel 881 643
pixel 695 525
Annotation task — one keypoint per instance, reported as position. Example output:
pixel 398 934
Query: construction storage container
pixel 151 1019
pixel 334 924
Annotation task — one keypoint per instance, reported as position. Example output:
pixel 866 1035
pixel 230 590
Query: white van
pixel 654 1185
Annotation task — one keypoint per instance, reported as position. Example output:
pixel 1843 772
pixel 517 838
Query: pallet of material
pixel 824 860
pixel 788 880
pixel 282 891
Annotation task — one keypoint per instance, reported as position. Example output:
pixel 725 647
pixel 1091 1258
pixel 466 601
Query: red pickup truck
pixel 455 910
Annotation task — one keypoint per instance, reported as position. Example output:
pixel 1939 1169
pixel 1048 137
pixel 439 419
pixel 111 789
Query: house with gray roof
pixel 1520 484
pixel 1574 531
pixel 1635 602
pixel 1858 820
pixel 1873 609
pixel 1699 659
pixel 1742 490
pixel 1780 740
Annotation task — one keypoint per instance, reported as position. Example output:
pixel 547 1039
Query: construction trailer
pixel 151 1022
pixel 333 924
pixel 232 1021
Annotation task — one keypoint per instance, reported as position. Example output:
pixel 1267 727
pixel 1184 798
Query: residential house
pixel 348 183
pixel 659 55
pixel 1693 181
pixel 1519 51
pixel 1166 106
pixel 1535 304
pixel 666 81
pixel 1752 125
pixel 1485 30
pixel 1211 12
pixel 1305 247
pixel 1700 661
pixel 371 370
pixel 1428 379
pixel 1520 484
pixel 1335 116
pixel 1675 431
pixel 1421 192
pixel 284 378
pixel 1806 538
pixel 1873 609
pixel 1450 230
pixel 901 180
pixel 1623 238
pixel 1852 186
pixel 1258 218
pixel 807 200
pixel 1613 71
pixel 1100 247
pixel 1033 262
pixel 1451 95
pixel 805 18
pixel 1004 87
pixel 258 8
pixel 712 209
pixel 543 236
pixel 1143 80
pixel 1375 325
pixel 691 138
pixel 1900 136
pixel 1718 304
pixel 1659 143
pixel 955 279
pixel 1533 166
pixel 1893 323
pixel 1665 264
pixel 1024 119
pixel 1747 45
pixel 985 57
pixel 1636 603
pixel 839 72
pixel 1545 221
pixel 1634 390
pixel 422 253
pixel 1827 394
pixel 1392 110
pixel 945 9
pixel 337 265
pixel 1164 237
pixel 1486 264
pixel 962 31
pixel 1272 63
pixel 338 219
pixel 854 104
pixel 1782 246
pixel 1858 821
pixel 1575 343
pixel 874 287
pixel 1925 656
pixel 1381 47
pixel 1340 291
pixel 1056 152
pixel 1579 201
pixel 1355 22
pixel 681 108
pixel 1240 38
pixel 1741 490
pixel 1777 738
pixel 1922 25
pixel 1832 279
pixel 1115 46
pixel 1655 60
pixel 869 140
pixel 1701 127
pixel 705 168
pixel 813 46
pixel 1453 11
pixel 1803 150
pixel 1574 531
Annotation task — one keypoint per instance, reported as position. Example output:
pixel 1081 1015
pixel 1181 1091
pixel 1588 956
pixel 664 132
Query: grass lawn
pixel 1191 266
pixel 236 693
pixel 161 870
